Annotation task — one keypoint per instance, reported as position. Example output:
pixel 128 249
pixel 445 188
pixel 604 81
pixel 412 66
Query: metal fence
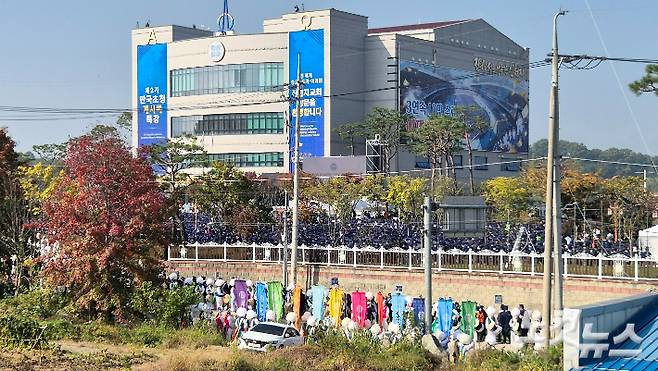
pixel 622 268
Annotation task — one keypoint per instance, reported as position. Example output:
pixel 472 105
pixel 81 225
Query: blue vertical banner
pixel 309 45
pixel 151 94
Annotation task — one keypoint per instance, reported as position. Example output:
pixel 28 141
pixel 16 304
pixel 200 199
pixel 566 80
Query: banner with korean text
pixel 310 46
pixel 151 94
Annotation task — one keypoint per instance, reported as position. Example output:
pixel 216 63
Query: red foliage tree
pixel 108 215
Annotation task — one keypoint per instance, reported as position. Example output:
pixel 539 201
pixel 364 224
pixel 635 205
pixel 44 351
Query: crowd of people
pixel 392 233
pixel 236 306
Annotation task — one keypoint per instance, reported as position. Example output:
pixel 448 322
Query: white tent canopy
pixel 648 239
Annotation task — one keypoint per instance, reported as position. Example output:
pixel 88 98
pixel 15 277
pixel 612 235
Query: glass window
pixel 228 124
pixel 510 166
pixel 480 162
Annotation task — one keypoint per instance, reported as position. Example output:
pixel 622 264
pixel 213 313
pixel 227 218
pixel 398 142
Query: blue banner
pixel 151 94
pixel 309 45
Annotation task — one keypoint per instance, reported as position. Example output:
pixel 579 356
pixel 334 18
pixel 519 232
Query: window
pixel 510 166
pixel 267 159
pixel 480 162
pixel 231 78
pixel 228 124
pixel 458 161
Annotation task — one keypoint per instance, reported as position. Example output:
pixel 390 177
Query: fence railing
pixel 622 268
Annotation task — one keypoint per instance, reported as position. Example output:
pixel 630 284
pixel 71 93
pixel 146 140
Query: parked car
pixel 270 335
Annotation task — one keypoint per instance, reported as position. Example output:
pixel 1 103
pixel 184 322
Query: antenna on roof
pixel 225 22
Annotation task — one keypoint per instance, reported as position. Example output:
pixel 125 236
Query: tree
pixel 172 160
pixel 630 204
pixel 387 124
pixel 223 190
pixel 648 83
pixel 108 216
pixel 439 137
pixel 406 194
pixel 8 155
pixel 349 132
pixel 341 193
pixel 510 197
pixel 474 126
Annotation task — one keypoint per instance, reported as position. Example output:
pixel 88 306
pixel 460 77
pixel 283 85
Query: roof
pixel 647 357
pixel 411 27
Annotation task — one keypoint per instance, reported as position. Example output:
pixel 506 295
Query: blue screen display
pixel 151 94
pixel 310 46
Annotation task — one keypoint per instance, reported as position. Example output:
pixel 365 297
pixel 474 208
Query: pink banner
pixel 359 308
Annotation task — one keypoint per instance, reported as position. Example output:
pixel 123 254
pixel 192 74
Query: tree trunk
pixel 470 164
pixel 433 162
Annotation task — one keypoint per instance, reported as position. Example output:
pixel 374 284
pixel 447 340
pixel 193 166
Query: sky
pixel 76 54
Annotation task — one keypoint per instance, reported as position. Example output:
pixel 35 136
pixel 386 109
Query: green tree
pixel 223 190
pixel 341 193
pixel 438 138
pixel 172 160
pixel 648 83
pixel 474 126
pixel 388 124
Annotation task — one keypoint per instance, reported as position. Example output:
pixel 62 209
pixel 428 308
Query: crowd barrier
pixel 616 267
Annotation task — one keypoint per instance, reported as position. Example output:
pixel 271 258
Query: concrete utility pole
pixel 553 127
pixel 427 214
pixel 285 239
pixel 295 202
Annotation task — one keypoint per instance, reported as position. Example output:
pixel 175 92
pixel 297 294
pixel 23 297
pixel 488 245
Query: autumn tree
pixel 341 193
pixel 631 206
pixel 510 197
pixel 108 216
pixel 406 194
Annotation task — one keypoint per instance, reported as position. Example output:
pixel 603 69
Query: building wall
pixel 354 62
pixel 481 287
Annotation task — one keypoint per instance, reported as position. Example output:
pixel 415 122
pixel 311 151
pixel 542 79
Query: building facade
pixel 234 92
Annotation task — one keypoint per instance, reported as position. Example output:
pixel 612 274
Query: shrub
pixel 38 303
pixel 20 331
pixel 163 306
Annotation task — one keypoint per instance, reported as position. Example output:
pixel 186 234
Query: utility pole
pixel 295 202
pixel 285 239
pixel 427 214
pixel 553 127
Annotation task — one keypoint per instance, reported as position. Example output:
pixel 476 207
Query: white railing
pixel 618 267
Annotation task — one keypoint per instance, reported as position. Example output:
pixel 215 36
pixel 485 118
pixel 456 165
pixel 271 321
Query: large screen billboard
pixel 500 100
pixel 151 94
pixel 309 46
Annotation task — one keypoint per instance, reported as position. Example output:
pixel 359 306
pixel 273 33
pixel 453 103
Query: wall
pixel 480 287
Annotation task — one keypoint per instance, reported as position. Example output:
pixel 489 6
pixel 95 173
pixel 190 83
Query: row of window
pixel 266 159
pixel 228 124
pixel 230 78
pixel 479 163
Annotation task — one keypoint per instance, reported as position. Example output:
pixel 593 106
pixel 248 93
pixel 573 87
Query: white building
pixel 231 90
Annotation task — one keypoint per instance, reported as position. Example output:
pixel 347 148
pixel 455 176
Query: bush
pixel 38 303
pixel 163 306
pixel 20 331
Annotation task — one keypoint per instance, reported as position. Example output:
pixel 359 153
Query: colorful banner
pixel 445 315
pixel 261 301
pixel 336 304
pixel 418 305
pixel 275 299
pixel 240 293
pixel 500 101
pixel 359 308
pixel 398 306
pixel 319 293
pixel 468 317
pixel 151 94
pixel 381 309
pixel 309 46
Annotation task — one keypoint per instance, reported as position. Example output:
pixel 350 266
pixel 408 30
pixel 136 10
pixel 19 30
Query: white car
pixel 270 335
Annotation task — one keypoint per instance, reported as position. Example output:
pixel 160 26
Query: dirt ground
pixel 69 355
